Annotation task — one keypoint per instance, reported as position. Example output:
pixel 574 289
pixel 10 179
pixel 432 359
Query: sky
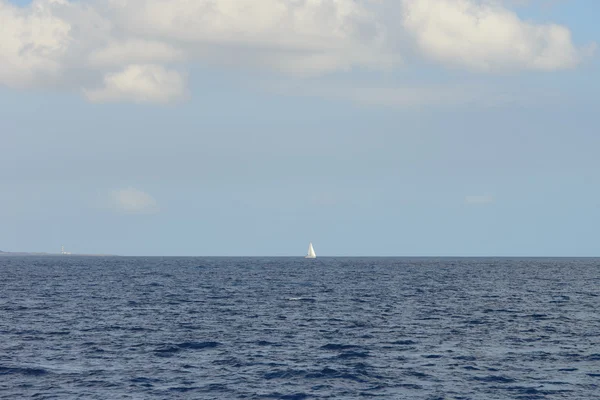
pixel 249 128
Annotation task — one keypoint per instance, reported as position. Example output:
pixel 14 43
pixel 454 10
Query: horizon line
pixel 27 253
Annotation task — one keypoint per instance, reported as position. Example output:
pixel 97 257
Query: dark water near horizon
pixel 287 328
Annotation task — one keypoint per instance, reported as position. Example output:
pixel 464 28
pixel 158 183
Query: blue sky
pixel 390 128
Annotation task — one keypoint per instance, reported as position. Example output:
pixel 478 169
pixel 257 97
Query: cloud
pixel 485 36
pixel 133 201
pixel 134 50
pixel 480 199
pixel 131 46
pixel 140 84
pixel 301 37
pixel 407 95
pixel 32 44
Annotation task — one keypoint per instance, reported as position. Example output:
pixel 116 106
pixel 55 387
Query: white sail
pixel 311 251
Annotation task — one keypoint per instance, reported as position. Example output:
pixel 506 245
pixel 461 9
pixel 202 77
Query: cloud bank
pixel 140 84
pixel 133 201
pixel 139 50
pixel 485 36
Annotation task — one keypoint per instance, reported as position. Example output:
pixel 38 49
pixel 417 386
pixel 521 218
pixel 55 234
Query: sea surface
pixel 289 328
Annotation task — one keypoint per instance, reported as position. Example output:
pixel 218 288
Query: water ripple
pixel 285 328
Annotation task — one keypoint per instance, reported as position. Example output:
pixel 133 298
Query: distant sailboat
pixel 311 252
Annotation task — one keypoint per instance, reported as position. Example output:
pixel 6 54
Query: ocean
pixel 289 328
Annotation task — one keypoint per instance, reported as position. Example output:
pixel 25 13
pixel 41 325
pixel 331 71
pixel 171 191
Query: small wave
pixel 145 382
pixel 477 322
pixel 525 390
pixel 325 373
pixel 267 343
pixel 114 328
pixel 500 310
pixel 357 300
pixel 166 351
pixel 169 350
pixel 22 371
pixel 96 349
pixel 405 342
pixel 410 386
pixel 362 366
pixel 26 332
pixel 538 316
pixel 417 374
pixel 308 299
pixel 284 374
pixel 338 346
pixel 137 329
pixel 360 324
pixel 142 379
pixel 231 361
pixel 354 354
pixel 330 373
pixel 216 387
pixel 277 395
pixel 571 355
pixel 95 383
pixel 432 356
pixel 466 358
pixel 183 389
pixel 198 345
pixel 494 379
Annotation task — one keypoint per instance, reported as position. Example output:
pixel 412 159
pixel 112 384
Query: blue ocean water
pixel 289 328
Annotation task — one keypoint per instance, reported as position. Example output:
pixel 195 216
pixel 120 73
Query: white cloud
pixel 485 36
pixel 480 199
pixel 417 95
pixel 108 42
pixel 133 50
pixel 309 36
pixel 133 201
pixel 140 84
pixel 33 42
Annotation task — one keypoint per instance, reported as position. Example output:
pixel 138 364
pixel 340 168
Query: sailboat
pixel 311 252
